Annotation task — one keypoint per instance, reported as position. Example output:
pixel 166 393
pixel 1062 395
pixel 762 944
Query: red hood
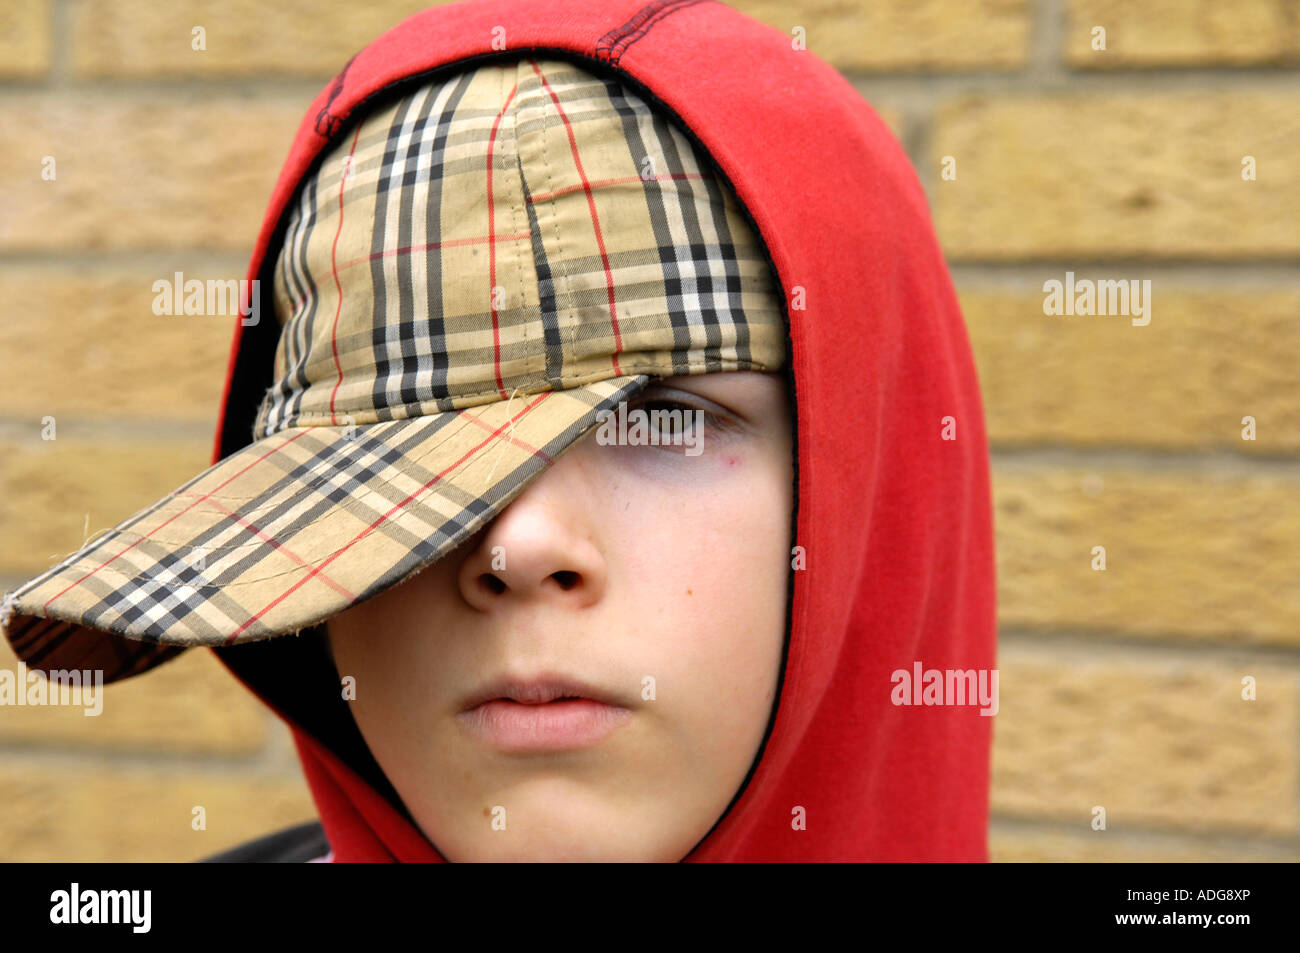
pixel 896 522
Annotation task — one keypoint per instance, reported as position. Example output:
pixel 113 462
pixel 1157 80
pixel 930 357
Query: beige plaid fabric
pixel 470 276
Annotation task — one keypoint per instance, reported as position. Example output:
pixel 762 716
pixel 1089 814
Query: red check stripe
pixel 230 640
pixel 429 246
pixel 521 444
pixel 334 268
pixel 280 547
pixel 607 183
pixel 297 303
pixel 492 244
pixel 595 219
pixel 197 501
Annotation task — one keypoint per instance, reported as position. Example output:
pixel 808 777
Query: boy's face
pixel 654 576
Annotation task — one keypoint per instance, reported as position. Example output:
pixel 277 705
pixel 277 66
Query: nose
pixel 540 549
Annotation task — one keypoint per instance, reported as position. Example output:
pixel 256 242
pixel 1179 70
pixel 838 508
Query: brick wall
pixel 1120 688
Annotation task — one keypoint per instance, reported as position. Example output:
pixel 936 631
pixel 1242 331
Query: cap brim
pixel 293 529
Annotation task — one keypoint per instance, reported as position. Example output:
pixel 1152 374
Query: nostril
pixel 565 578
pixel 492 584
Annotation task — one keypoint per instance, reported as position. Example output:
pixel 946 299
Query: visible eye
pixel 675 421
pixel 667 420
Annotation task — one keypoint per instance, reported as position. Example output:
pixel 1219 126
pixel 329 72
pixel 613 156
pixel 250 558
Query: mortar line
pixel 1156 646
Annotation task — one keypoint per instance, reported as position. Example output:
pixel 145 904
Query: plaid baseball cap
pixel 466 281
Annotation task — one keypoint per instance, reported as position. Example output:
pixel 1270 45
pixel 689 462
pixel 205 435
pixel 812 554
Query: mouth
pixel 547 713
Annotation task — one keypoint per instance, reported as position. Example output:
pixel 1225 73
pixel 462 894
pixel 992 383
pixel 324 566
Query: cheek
pixel 355 659
pixel 371 647
pixel 708 579
pixel 714 545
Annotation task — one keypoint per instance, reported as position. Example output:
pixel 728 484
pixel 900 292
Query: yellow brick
pixel 154 170
pixel 136 38
pixel 1217 356
pixel 1182 32
pixel 92 812
pixel 1155 741
pixel 1016 845
pixel 904 34
pixel 1197 555
pixel 24 39
pixel 190 704
pixel 241 37
pixel 47 489
pixel 1129 175
pixel 127 362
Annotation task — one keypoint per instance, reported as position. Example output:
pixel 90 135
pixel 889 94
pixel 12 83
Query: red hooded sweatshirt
pixel 892 507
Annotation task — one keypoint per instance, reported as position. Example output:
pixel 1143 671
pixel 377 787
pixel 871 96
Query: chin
pixel 552 851
pixel 561 839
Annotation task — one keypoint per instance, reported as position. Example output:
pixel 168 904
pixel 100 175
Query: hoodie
pixel 892 578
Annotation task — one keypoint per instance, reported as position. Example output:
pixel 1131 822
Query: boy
pixel 513 638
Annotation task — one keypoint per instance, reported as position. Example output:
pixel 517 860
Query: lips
pixel 538 690
pixel 546 713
